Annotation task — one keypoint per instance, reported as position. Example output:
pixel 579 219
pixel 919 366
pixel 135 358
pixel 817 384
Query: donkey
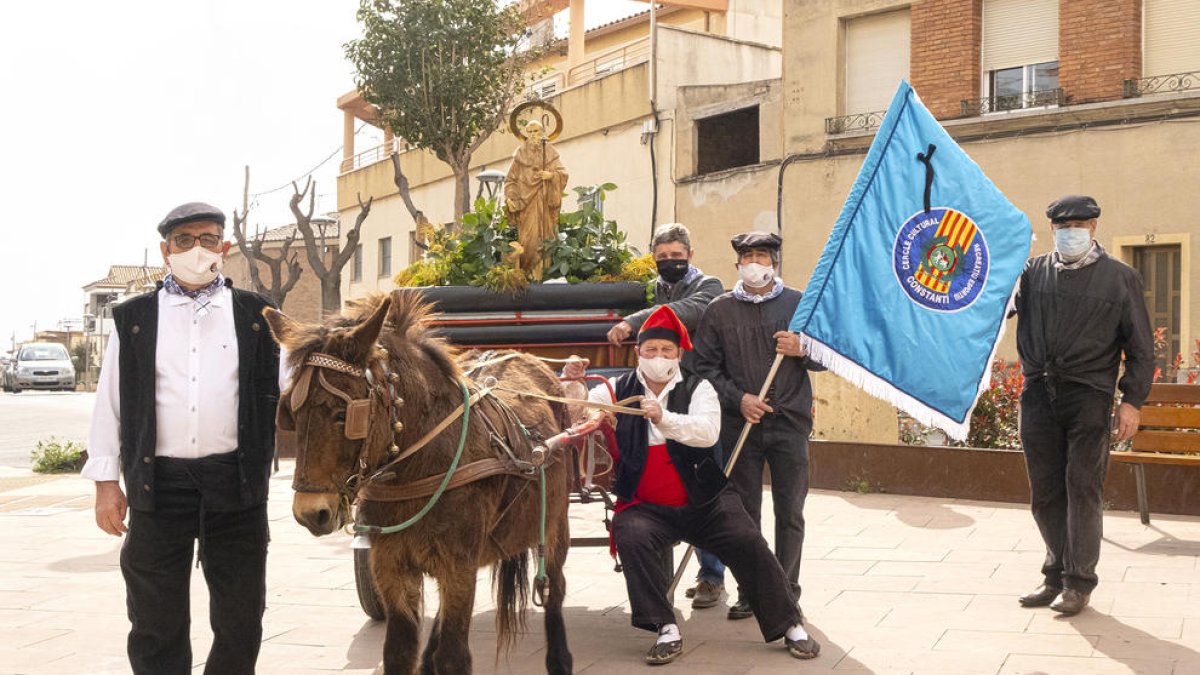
pixel 368 387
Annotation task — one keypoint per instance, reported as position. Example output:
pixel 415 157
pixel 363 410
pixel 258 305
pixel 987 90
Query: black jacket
pixel 698 471
pixel 258 390
pixel 1074 326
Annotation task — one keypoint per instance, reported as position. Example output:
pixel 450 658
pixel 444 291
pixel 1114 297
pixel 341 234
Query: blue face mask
pixel 1072 242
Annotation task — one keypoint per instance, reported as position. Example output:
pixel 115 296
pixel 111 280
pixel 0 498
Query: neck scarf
pixel 740 292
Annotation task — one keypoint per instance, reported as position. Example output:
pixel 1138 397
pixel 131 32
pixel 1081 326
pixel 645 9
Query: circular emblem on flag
pixel 941 259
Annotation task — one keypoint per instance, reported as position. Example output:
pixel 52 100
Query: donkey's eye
pixel 339 417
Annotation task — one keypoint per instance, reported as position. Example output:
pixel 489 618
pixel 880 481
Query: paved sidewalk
pixel 891 585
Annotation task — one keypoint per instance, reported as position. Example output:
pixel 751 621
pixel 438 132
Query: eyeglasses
pixel 186 241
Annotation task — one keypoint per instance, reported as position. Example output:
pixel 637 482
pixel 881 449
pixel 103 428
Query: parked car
pixel 6 372
pixel 43 365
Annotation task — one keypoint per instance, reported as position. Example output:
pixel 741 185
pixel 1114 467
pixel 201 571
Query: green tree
pixel 443 73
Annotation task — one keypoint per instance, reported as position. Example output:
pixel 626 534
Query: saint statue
pixel 533 196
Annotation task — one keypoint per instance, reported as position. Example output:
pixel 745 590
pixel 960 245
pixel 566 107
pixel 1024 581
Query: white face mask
pixel 196 266
pixel 658 369
pixel 1072 242
pixel 755 275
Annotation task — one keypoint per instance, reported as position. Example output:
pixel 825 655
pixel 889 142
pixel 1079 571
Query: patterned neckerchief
pixel 202 297
pixel 740 292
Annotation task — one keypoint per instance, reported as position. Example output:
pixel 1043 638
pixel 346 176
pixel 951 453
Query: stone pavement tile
pixel 822 567
pixel 933 570
pixel 886 661
pixel 901 553
pixel 931 602
pixel 1154 572
pixel 991 642
pixel 867 582
pixel 1027 664
pixel 1095 623
pixel 983 613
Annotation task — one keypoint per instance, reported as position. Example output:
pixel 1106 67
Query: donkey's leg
pixel 558 655
pixel 456 591
pixel 399 588
pixel 431 646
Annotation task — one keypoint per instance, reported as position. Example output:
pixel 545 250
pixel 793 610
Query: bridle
pixel 380 385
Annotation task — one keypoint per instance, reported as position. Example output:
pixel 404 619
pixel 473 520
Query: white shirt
pixel 699 428
pixel 196 386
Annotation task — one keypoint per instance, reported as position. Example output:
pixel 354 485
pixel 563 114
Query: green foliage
pixel 79 358
pixel 482 249
pixel 994 420
pixel 54 456
pixel 862 485
pixel 442 72
pixel 588 247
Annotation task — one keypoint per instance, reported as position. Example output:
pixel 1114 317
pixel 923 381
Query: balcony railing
pixel 994 104
pixel 1162 84
pixel 623 57
pixel 851 123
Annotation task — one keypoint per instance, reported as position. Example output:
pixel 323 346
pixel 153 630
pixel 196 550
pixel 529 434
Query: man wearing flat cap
pixel 185 410
pixel 1080 312
pixel 740 334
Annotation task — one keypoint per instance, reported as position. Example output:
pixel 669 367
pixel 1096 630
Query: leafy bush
pixel 482 249
pixel 994 420
pixel 54 456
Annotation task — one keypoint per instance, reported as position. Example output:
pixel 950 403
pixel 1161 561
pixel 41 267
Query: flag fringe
pixel 876 386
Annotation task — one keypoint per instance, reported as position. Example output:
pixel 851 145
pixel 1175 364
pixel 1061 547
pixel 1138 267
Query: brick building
pixel 303 301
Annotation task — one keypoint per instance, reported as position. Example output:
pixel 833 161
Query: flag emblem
pixel 941 259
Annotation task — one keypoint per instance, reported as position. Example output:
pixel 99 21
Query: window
pixel 1020 54
pixel 356 266
pixel 1169 42
pixel 877 59
pixel 1161 276
pixel 727 141
pixel 385 257
pixel 1023 86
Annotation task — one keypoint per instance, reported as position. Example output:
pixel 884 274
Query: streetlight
pixel 490 180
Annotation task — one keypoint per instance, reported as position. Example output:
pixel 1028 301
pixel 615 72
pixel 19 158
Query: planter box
pixel 974 473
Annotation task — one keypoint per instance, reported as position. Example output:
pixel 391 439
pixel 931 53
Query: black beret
pixel 1073 207
pixel 192 212
pixel 751 240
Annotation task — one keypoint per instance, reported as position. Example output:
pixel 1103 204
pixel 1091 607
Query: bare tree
pixel 315 246
pixel 284 268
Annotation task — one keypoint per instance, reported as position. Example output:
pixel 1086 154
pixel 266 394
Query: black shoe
pixel 1040 597
pixel 664 652
pixel 1070 602
pixel 808 648
pixel 741 610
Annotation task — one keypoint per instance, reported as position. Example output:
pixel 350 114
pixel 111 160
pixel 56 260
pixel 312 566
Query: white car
pixel 43 365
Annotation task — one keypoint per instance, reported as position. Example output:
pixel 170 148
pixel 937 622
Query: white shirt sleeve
pixel 599 393
pixel 701 426
pixel 104 439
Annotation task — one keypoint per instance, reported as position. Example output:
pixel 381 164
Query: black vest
pixel 258 391
pixel 701 477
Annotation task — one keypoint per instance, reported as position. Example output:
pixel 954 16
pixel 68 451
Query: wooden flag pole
pixel 737 450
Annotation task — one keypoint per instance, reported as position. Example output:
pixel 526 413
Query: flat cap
pixel 1073 207
pixel 752 240
pixel 192 212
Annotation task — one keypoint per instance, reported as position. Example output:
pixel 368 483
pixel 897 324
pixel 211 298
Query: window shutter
pixel 1171 37
pixel 877 53
pixel 1019 33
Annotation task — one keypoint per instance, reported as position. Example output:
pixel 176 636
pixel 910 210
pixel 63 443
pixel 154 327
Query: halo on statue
pixel 535 111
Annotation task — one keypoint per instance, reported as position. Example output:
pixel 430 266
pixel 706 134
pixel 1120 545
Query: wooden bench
pixel 1169 433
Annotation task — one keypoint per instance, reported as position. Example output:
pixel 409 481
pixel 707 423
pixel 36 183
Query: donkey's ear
pixel 368 332
pixel 283 328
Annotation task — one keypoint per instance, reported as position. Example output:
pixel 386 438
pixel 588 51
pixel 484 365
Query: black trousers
pixel 722 527
pixel 1065 432
pixel 779 444
pixel 156 561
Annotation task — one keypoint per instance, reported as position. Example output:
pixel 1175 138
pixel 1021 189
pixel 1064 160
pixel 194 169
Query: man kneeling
pixel 669 488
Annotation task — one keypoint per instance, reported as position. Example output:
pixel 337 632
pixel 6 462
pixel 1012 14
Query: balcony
pixel 625 56
pixel 1163 84
pixel 994 104
pixel 860 122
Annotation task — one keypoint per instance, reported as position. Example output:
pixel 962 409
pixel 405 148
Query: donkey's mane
pixel 405 328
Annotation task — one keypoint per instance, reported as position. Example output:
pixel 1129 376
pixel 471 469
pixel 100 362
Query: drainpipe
pixel 650 130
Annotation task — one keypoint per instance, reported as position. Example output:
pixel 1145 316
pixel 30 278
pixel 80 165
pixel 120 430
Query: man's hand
pixel 788 344
pixel 1128 418
pixel 652 409
pixel 619 332
pixel 753 408
pixel 545 175
pixel 111 507
pixel 575 368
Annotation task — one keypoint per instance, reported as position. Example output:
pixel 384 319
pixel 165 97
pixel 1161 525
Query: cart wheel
pixel 368 598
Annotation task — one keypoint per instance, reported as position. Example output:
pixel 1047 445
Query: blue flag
pixel 908 298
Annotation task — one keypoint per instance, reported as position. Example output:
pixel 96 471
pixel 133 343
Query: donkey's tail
pixel 510 578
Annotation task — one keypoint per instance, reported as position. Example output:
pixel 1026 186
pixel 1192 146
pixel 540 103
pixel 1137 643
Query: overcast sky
pixel 112 113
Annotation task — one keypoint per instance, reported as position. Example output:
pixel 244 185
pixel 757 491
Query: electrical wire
pixel 311 171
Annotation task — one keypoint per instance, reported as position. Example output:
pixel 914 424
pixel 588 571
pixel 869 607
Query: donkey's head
pixel 337 406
